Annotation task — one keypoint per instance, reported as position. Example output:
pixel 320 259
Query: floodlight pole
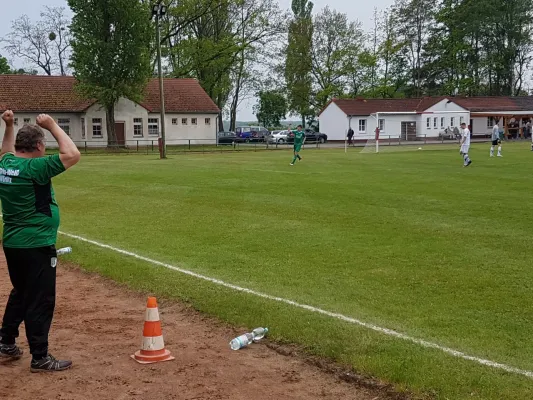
pixel 158 11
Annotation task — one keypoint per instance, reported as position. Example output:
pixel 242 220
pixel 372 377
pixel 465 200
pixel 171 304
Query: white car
pixel 278 137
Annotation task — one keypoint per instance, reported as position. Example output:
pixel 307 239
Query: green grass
pixel 407 239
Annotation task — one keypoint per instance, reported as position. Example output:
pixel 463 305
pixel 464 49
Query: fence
pixel 181 146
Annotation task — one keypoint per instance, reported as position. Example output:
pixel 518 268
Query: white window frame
pixel 174 121
pixel 452 122
pixel 64 123
pixel 194 121
pixel 362 123
pixel 184 121
pixel 435 122
pixel 442 122
pixel 97 122
pixel 381 125
pixel 153 126
pixel 16 121
pixel 208 121
pixel 83 131
pixel 461 120
pixel 27 121
pixel 138 126
pixel 490 122
pixel 428 123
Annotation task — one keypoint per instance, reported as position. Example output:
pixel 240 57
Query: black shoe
pixel 49 364
pixel 10 352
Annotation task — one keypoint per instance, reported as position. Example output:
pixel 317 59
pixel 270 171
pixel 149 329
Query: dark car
pixel 228 138
pixel 310 137
pixel 252 133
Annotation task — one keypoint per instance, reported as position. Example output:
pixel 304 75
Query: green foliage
pixel 298 65
pixel 4 66
pixel 336 43
pixel 111 50
pixel 271 108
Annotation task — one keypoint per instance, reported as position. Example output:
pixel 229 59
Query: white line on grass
pixel 385 331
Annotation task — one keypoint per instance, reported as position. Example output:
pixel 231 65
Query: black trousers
pixel 32 300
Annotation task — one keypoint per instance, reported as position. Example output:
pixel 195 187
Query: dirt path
pixel 99 325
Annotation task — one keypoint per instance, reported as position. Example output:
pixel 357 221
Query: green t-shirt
pixel 299 137
pixel 31 214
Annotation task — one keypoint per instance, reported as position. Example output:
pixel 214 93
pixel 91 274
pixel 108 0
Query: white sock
pixel 500 150
pixel 492 151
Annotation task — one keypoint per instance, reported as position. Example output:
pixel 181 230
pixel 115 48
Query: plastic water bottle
pixel 248 338
pixel 64 250
pixel 259 333
pixel 241 341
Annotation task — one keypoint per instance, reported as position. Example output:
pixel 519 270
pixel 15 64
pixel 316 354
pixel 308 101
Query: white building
pixel 191 115
pixel 417 119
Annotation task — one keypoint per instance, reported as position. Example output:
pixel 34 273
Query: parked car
pixel 228 138
pixel 310 137
pixel 252 133
pixel 278 137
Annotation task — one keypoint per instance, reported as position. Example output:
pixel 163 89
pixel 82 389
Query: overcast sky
pixel 356 9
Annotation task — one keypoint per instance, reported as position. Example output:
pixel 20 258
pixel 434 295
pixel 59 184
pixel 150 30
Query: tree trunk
pixel 110 124
pixel 220 122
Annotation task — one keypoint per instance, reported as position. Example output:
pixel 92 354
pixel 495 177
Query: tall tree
pixel 111 52
pixel 336 41
pixel 415 18
pixel 43 44
pixel 298 65
pixel 271 108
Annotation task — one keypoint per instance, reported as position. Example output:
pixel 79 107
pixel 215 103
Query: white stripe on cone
pixel 153 343
pixel 152 315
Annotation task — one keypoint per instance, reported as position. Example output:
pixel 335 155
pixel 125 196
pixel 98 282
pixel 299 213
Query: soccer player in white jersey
pixel 496 140
pixel 465 144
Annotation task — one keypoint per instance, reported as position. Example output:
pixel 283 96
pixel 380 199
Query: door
pixel 120 132
pixel 408 131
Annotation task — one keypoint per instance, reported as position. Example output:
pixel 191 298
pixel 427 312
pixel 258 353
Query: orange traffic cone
pixel 153 347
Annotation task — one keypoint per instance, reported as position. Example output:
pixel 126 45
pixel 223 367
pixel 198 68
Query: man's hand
pixel 9 118
pixel 45 121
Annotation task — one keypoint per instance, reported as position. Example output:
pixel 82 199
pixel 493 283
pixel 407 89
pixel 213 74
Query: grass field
pixel 408 240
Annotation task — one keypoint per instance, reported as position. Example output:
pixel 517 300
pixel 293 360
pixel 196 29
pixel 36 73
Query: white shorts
pixel 465 148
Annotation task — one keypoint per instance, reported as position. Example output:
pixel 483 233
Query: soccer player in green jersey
pixel 299 139
pixel 31 221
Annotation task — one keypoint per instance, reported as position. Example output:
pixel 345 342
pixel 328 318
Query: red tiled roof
pixel 488 104
pixel 181 95
pixel 37 93
pixel 363 107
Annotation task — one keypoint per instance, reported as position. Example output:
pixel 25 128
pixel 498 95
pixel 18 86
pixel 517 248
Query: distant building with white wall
pixel 190 112
pixel 419 118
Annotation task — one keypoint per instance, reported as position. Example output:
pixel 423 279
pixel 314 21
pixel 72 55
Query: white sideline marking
pixel 385 331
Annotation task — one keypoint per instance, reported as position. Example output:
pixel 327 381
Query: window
pixel 194 121
pixel 362 126
pixel 97 127
pixel 64 123
pixel 452 122
pixel 83 128
pixel 137 126
pixel 184 121
pixel 208 121
pixel 27 120
pixel 381 125
pixel 174 121
pixel 435 123
pixel 428 123
pixel 16 121
pixel 442 122
pixel 462 120
pixel 153 126
pixel 491 122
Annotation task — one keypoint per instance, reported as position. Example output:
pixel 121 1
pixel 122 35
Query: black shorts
pixel 496 142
